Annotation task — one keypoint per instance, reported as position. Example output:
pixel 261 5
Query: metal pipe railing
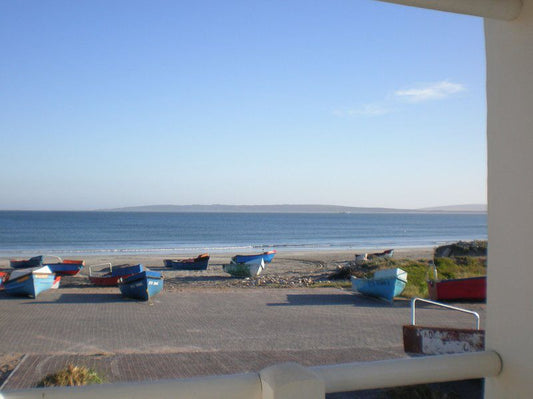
pixel 238 386
pixel 442 305
pixel 410 371
pixel 336 378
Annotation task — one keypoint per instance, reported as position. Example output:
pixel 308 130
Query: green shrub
pixel 71 376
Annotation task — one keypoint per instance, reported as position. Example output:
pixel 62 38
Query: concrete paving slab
pixel 202 331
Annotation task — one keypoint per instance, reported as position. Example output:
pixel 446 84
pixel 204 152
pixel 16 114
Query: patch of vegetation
pixel 71 376
pixel 334 284
pixel 418 271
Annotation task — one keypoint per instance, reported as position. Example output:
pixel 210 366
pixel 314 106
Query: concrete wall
pixel 509 47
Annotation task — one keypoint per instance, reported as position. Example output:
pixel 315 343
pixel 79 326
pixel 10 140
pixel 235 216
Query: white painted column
pixel 509 48
pixel 291 381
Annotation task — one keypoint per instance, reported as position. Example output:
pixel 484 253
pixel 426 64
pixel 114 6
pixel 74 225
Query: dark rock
pixel 462 248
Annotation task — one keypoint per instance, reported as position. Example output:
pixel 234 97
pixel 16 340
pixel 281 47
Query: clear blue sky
pixel 347 102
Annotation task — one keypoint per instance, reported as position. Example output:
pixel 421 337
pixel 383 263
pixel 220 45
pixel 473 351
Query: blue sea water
pixel 33 232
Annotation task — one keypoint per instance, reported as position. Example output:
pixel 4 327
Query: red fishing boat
pixel 3 277
pixel 110 275
pixel 64 267
pixel 470 289
pixel 473 289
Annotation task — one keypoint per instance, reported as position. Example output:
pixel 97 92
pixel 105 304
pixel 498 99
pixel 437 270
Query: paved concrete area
pixel 202 331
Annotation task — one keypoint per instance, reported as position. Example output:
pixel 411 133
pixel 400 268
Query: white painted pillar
pixel 291 381
pixel 498 9
pixel 509 47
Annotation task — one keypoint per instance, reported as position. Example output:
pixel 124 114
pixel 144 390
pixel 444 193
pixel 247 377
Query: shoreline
pixel 219 258
pixel 289 269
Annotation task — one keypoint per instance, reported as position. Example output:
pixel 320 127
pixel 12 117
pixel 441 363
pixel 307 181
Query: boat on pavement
pixel 460 289
pixel 266 256
pixel 30 281
pixel 110 275
pixel 386 284
pixel 142 286
pixel 198 263
pixel 251 268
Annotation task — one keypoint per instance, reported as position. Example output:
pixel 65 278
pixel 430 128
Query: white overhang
pixel 495 9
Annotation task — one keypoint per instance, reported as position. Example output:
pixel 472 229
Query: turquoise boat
pixel 386 284
pixel 29 282
pixel 142 286
pixel 266 256
pixel 246 269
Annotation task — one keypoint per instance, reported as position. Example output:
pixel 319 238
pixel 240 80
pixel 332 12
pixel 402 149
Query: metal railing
pixel 292 381
pixel 442 305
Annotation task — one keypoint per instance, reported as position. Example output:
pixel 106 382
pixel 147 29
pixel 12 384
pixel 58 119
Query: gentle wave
pixel 76 233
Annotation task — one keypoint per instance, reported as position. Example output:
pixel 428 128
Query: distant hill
pixel 285 209
pixel 458 208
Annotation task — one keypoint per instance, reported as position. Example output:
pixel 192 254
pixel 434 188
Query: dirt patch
pixel 8 362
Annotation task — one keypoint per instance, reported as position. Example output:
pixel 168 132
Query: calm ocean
pixel 31 233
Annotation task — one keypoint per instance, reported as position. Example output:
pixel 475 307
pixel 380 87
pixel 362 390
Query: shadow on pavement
pixel 340 299
pixel 83 298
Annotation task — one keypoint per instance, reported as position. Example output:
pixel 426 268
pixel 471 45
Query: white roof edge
pixel 506 10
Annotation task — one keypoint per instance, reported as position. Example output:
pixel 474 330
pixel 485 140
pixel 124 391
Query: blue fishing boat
pixel 110 275
pixel 386 284
pixel 266 256
pixel 36 261
pixel 198 263
pixel 142 285
pixel 64 266
pixel 30 282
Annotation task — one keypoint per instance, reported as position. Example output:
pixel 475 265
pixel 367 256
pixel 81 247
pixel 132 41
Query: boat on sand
pixel 36 261
pixel 198 263
pixel 266 256
pixel 245 269
pixel 110 275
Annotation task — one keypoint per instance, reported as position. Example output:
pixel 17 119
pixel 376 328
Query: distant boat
pixel 470 289
pixel 30 281
pixel 360 258
pixel 386 284
pixel 65 266
pixel 245 269
pixel 36 261
pixel 385 254
pixel 110 275
pixel 198 263
pixel 266 256
pixel 143 285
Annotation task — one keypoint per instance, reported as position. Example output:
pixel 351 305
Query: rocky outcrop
pixel 462 248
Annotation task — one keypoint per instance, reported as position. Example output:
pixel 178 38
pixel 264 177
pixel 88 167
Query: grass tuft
pixel 71 376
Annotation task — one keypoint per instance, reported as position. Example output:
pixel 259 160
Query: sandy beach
pixel 290 269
